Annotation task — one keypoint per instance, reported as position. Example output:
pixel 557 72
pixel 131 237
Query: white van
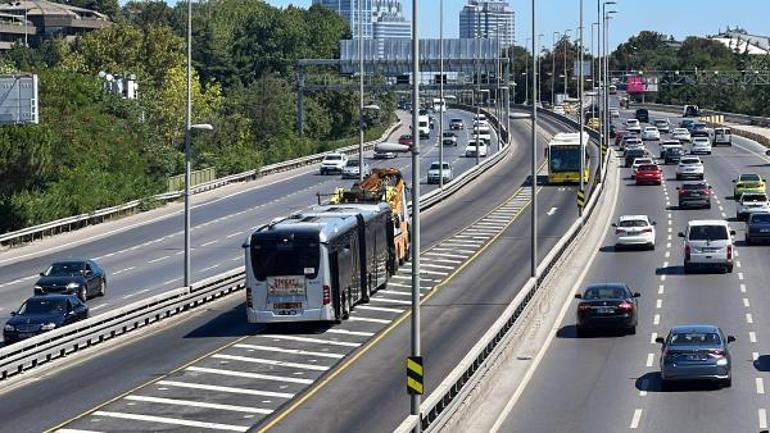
pixel 423 126
pixel 708 244
pixel 723 136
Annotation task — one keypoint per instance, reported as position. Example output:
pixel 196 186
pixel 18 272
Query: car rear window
pixel 695 339
pixel 749 178
pixel 754 197
pixel 708 233
pixel 760 218
pixel 690 161
pixel 646 167
pixel 333 157
pixel 594 293
pixel 633 223
pixel 694 186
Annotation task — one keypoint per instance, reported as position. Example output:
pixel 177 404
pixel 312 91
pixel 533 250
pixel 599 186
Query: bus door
pixel 334 270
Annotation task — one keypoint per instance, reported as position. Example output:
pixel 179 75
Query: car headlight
pixel 722 361
pixel 9 327
pixel 38 288
pixel 73 286
pixel 48 326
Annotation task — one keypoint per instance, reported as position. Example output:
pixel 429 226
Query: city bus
pixel 318 264
pixel 563 156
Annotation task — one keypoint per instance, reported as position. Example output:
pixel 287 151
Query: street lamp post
pixel 361 91
pixel 441 98
pixel 533 174
pixel 415 229
pixel 581 114
pixel 526 74
pixel 566 42
pixel 187 150
pixel 553 71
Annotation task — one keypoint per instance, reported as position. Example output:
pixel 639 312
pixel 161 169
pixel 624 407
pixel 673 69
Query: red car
pixel 405 139
pixel 649 173
pixel 619 134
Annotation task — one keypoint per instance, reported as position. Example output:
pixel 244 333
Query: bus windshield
pixel 564 158
pixel 274 256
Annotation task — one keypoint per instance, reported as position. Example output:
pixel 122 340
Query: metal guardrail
pixel 744 119
pixel 437 408
pixel 48 346
pixel 39 231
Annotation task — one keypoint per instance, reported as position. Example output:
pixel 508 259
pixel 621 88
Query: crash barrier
pixel 59 343
pixel 176 183
pixel 438 407
pixel 40 231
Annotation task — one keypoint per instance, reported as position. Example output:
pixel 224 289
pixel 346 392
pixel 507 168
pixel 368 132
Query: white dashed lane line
pixel 653 336
pixel 752 337
pixel 208 268
pixel 656 320
pixel 636 418
pixel 232 235
pixel 206 244
pixel 159 259
pixel 124 270
pixel 131 295
pixel 760 384
pixel 650 359
pixel 762 415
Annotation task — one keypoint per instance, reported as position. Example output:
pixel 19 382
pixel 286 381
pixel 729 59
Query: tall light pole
pixel 553 71
pixel 533 229
pixel 605 98
pixel 415 229
pixel 566 43
pixel 581 114
pixel 477 122
pixel 361 91
pixel 187 150
pixel 526 74
pixel 441 97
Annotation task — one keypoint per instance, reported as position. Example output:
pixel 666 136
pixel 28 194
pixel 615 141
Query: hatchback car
pixel 449 138
pixel 694 194
pixel 638 162
pixel 84 278
pixel 751 202
pixel 708 244
pixel 649 174
pixel 607 306
pixel 701 146
pixel 39 314
pixel 696 352
pixel 435 172
pixel 352 169
pixel 747 182
pixel 663 125
pixel 681 134
pixel 758 228
pixel 689 167
pixel 634 231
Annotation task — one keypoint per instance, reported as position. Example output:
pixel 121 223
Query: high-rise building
pixel 490 19
pixel 389 20
pixel 349 10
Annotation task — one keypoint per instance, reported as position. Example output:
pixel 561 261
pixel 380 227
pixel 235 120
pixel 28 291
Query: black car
pixel 642 115
pixel 607 306
pixel 758 228
pixel 687 124
pixel 694 194
pixel 672 156
pixel 82 277
pixel 39 314
pixel 632 154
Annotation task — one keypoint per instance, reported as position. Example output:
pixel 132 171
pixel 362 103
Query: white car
pixel 701 146
pixel 472 148
pixel 650 133
pixel 631 143
pixel 634 230
pixel 681 134
pixel 333 163
pixel 708 243
pixel 667 145
pixel 638 162
pixel 723 136
pixel 752 202
pixel 352 169
pixel 434 172
pixel 689 167
pixel 632 123
pixel 614 112
pixel 559 109
pixel 663 125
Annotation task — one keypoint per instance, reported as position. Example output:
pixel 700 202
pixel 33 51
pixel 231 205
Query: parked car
pixel 748 182
pixel 701 146
pixel 689 167
pixel 758 228
pixel 696 352
pixel 751 202
pixel 607 306
pixel 352 169
pixel 456 124
pixel 723 136
pixel 40 314
pixel 333 163
pixel 634 231
pixel 435 172
pixel 84 278
pixel 708 244
pixel 449 138
pixel 696 194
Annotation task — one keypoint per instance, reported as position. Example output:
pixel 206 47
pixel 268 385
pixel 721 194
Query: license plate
pixel 764 230
pixel 286 312
pixel 287 306
pixel 605 310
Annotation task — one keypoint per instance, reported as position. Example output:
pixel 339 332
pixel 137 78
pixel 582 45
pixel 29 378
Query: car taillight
pixel 687 252
pixel 729 252
pixel 625 305
pixel 327 295
pixel 619 231
pixel 249 300
pixel 647 230
pixel 681 191
pixel 584 307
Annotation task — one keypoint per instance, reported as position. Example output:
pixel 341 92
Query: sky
pixel 678 17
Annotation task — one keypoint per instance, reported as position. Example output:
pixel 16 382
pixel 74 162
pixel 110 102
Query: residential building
pixel 489 19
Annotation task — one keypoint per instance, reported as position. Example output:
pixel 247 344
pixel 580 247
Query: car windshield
pixel 694 339
pixel 333 157
pixel 449 134
pixel 437 165
pixel 648 167
pixel 633 223
pixel 457 120
pixel 607 292
pixel 708 233
pixel 650 129
pixel 64 269
pixel 635 152
pixel 352 163
pixel 42 305
pixel 760 218
pixel 694 186
pixel 749 178
pixel 639 161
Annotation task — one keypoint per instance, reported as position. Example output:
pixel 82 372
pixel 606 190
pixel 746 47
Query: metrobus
pixel 563 156
pixel 318 264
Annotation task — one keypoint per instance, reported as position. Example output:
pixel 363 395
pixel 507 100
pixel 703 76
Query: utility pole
pixel 580 104
pixel 534 210
pixel 441 97
pixel 566 43
pixel 361 92
pixel 187 150
pixel 553 71
pixel 477 122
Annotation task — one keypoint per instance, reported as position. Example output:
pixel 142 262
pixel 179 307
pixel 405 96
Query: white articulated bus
pixel 317 265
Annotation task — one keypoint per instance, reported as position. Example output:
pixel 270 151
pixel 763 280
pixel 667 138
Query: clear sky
pixel 678 17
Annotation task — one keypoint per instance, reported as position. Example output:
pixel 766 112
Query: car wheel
pixel 678 177
pixel 83 294
pixel 727 383
pixel 651 247
pixel 103 288
pixel 708 206
pixel 729 269
pixel 632 330
pixel 580 331
pixel 748 240
pixel 687 268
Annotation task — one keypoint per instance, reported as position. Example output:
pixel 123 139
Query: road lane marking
pixel 74 430
pixel 100 306
pixel 740 275
pixel 752 336
pixel 159 259
pixel 451 256
pixel 369 319
pixel 251 375
pixel 271 362
pixel 760 385
pixel 668 245
pixel 737 263
pixel 658 303
pixel 721 208
pixel 20 280
pixel 746 302
pixel 670 237
pixel 225 389
pixel 171 281
pixel 208 268
pixel 668 254
pixel 650 359
pixel 551 211
pixel 661 289
pixel 754 356
pixel 309 340
pixel 190 403
pixel 762 414
pixel 656 319
pixel 131 295
pixel 205 244
pixel 636 418
pixel 653 336
pixel 254 347
pixel 232 235
pixel 383 309
pixel 130 268
pixel 348 332
pixel 663 277
pixel 724 215
pixel 743 288
pixel 173 421
pixel 749 319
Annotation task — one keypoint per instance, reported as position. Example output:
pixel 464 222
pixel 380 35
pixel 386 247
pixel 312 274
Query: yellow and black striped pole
pixel 581 198
pixel 414 375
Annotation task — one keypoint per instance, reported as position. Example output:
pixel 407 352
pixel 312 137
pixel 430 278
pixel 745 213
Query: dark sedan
pixel 758 228
pixel 672 156
pixel 39 314
pixel 696 352
pixel 694 194
pixel 632 154
pixel 608 306
pixel 82 277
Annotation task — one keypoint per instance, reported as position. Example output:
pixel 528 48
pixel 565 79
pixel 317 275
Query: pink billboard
pixel 636 84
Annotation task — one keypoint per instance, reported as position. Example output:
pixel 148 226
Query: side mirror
pixel 767 153
pixel 578 296
pixel 732 232
pixel 680 234
pixel 660 340
pixel 13 313
pixel 637 295
pixel 614 225
pixel 42 274
pixel 678 188
pixel 654 223
pixel 710 187
pixel 245 245
pixel 730 339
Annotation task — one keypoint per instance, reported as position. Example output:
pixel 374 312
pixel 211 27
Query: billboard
pixel 586 68
pixel 640 84
pixel 18 99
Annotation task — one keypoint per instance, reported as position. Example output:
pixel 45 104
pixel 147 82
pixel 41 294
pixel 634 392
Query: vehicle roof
pixel 325 226
pixel 633 217
pixel 740 176
pixel 695 327
pixel 707 223
pixel 601 285
pixel 71 261
pixel 335 154
pixel 53 296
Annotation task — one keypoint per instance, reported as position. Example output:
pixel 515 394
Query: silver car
pixel 696 352
pixel 435 172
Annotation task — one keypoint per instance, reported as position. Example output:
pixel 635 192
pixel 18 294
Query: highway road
pixel 611 383
pixel 143 254
pixel 214 371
